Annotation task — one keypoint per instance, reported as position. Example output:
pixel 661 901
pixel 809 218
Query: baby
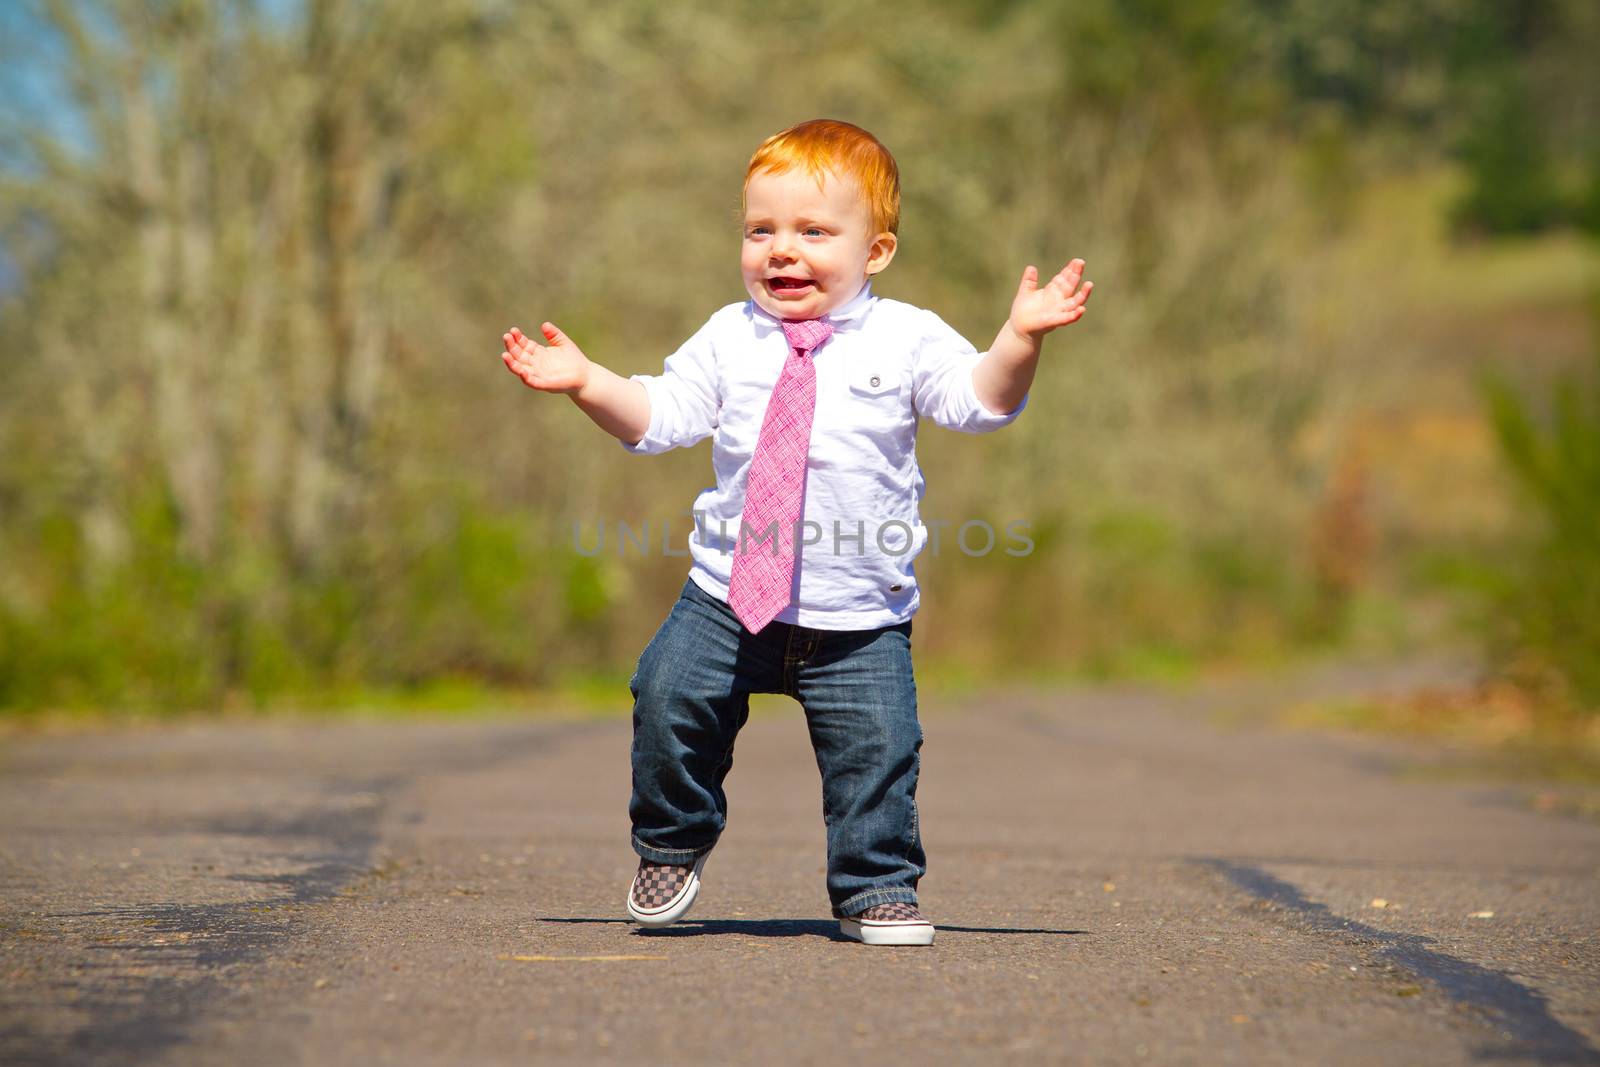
pixel 801 578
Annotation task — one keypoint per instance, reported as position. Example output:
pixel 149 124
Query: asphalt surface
pixel 1115 877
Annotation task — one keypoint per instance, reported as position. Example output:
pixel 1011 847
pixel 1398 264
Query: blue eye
pixel 813 230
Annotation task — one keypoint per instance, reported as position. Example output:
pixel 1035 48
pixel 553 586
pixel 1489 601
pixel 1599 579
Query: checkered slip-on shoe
pixel 662 893
pixel 888 924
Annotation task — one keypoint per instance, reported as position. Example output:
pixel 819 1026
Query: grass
pixel 600 695
pixel 595 696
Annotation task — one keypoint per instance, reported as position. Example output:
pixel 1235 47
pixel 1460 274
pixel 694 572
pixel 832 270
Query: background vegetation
pixel 256 444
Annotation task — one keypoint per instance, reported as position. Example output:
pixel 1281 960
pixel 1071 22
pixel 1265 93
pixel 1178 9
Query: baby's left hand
pixel 1035 311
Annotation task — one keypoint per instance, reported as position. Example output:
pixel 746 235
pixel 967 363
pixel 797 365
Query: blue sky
pixel 34 92
pixel 32 56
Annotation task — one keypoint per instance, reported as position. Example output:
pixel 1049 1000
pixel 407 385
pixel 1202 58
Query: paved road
pixel 1116 879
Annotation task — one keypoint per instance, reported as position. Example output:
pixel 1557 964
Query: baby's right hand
pixel 559 368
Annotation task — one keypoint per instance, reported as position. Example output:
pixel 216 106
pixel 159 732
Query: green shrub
pixel 1511 185
pixel 1551 606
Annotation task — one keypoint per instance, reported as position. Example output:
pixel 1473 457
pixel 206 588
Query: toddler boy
pixel 801 578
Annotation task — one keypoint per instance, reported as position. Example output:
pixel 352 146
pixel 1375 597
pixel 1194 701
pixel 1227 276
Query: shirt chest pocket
pixel 875 393
pixel 869 413
pixel 874 400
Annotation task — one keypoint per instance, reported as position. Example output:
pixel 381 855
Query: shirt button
pixel 875 381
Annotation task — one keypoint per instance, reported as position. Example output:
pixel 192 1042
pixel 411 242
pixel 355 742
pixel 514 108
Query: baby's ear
pixel 881 252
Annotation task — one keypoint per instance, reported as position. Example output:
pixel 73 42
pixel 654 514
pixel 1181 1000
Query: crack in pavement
pixel 1520 1013
pixel 134 1015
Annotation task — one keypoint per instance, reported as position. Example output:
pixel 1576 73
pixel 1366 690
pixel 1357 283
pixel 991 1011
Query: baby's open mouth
pixel 789 283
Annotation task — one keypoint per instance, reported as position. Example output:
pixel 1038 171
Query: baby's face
pixel 807 250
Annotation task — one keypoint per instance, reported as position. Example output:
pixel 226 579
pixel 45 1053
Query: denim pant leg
pixel 860 699
pixel 691 697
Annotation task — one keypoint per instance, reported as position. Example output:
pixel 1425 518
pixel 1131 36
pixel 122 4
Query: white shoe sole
pixel 673 910
pixel 891 933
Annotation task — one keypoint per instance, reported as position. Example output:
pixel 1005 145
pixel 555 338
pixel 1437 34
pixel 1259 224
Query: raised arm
pixel 618 405
pixel 1004 375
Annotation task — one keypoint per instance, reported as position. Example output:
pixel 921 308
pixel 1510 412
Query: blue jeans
pixel 692 695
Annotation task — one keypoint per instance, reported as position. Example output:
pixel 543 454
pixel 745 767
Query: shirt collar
pixel 847 316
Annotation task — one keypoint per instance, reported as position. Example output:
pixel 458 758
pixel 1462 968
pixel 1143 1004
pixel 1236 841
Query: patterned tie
pixel 762 576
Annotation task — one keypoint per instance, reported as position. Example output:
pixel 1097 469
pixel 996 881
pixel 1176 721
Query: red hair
pixel 823 145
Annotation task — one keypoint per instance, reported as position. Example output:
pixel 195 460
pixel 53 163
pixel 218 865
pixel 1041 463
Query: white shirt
pixel 886 364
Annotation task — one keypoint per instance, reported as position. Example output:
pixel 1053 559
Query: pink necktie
pixel 761 585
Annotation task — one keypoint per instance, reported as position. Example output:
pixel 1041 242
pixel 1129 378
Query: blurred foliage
pixel 256 443
pixel 1513 189
pixel 1548 600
